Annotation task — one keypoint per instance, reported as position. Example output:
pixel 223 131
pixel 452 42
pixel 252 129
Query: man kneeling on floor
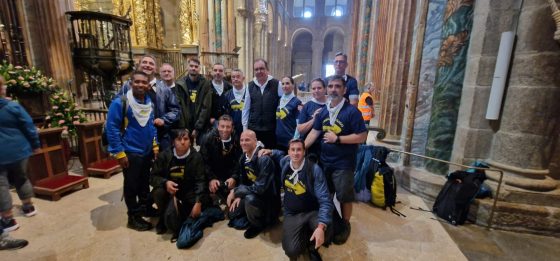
pixel 256 199
pixel 307 205
pixel 179 183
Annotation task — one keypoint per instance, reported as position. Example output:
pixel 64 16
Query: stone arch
pixel 302 54
pixel 332 29
pixel 300 31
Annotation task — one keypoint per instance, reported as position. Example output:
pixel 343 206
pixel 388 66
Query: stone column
pixel 241 23
pixel 530 123
pixel 449 83
pixel 260 31
pixel 366 23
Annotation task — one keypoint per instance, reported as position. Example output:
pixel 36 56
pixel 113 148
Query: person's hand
pixel 263 152
pixel 318 236
pixel 37 151
pixel 230 198
pixel 213 185
pixel 159 122
pixel 234 204
pixel 316 112
pixel 330 137
pixel 171 187
pixel 197 208
pixel 123 162
pixel 230 183
pixel 212 120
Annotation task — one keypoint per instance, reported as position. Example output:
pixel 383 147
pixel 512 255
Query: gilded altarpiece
pixel 147 27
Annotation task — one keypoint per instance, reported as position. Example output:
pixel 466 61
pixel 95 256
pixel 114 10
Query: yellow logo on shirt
pixel 177 173
pixel 193 96
pixel 282 113
pixel 297 189
pixel 337 128
pixel 238 107
pixel 250 173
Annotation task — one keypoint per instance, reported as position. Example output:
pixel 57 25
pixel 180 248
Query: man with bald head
pixel 256 198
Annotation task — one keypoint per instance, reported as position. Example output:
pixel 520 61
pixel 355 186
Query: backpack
pixel 454 199
pixel 104 139
pixel 383 183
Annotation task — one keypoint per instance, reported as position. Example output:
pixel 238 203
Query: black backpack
pixel 104 139
pixel 456 196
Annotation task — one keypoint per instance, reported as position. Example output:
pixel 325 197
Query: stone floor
pixel 90 224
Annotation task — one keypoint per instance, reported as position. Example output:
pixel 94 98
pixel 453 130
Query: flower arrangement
pixel 22 80
pixel 64 113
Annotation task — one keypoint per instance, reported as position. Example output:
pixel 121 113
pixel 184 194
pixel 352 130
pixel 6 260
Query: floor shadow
pixel 110 216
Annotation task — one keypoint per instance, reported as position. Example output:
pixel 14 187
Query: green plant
pixel 22 80
pixel 64 113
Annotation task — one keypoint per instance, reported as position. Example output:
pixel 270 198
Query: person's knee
pixel 293 251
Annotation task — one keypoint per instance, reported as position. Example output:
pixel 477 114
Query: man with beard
pixel 166 108
pixel 195 97
pixel 343 129
pixel 221 151
pixel 261 101
pixel 220 87
pixel 133 148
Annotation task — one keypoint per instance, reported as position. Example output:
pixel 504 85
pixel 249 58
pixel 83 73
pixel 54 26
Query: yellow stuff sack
pixel 378 190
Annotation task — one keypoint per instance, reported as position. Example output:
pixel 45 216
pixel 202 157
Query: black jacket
pixel 193 186
pixel 199 119
pixel 220 164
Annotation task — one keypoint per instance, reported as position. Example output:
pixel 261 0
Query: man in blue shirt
pixel 343 129
pixel 307 204
pixel 352 93
pixel 132 145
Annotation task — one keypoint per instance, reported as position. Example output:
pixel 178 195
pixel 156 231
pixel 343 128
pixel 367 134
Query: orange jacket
pixel 367 112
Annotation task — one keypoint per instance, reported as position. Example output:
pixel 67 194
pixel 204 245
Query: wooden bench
pixel 95 161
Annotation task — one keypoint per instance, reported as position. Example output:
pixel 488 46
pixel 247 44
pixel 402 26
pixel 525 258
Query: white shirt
pixel 245 112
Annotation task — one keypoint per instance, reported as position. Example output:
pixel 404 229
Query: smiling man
pixel 342 128
pixel 340 65
pixel 133 147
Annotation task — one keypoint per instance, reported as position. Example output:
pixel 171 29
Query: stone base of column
pixel 534 180
pixel 517 209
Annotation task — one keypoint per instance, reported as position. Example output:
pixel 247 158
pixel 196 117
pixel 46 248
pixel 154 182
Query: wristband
pixel 337 140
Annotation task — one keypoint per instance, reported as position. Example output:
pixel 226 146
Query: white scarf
pixel 318 102
pixel 261 87
pixel 140 111
pixel 249 158
pixel 333 112
pixel 294 177
pixel 181 157
pixel 239 95
pixel 285 99
pixel 218 87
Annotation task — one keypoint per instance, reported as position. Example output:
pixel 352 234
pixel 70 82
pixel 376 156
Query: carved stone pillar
pixel 317 59
pixel 260 30
pixel 242 33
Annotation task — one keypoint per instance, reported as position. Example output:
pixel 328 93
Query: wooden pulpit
pixel 48 169
pixel 95 161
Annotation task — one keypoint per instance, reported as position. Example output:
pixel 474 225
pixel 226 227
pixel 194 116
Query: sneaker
pixel 252 232
pixel 343 235
pixel 28 210
pixel 9 224
pixel 9 243
pixel 138 223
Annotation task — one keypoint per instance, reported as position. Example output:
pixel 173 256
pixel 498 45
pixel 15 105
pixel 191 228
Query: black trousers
pixel 136 183
pixel 296 232
pixel 259 211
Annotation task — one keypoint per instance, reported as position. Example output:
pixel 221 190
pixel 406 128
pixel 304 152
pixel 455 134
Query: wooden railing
pixel 95 114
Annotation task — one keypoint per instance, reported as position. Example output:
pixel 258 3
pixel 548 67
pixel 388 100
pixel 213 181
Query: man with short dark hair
pixel 166 107
pixel 307 204
pixel 221 152
pixel 133 148
pixel 256 197
pixel 195 97
pixel 340 64
pixel 261 100
pixel 343 129
pixel 220 87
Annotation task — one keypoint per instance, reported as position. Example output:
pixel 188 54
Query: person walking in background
pixel 17 133
pixel 365 104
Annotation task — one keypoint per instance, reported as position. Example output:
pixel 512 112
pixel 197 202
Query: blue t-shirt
pixel 234 110
pixel 286 121
pixel 304 116
pixel 349 121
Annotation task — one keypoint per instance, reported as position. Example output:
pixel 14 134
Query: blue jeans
pixel 14 173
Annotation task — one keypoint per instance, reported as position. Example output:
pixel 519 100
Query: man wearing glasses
pixel 340 63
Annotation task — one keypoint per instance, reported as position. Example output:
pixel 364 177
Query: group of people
pixel 261 152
